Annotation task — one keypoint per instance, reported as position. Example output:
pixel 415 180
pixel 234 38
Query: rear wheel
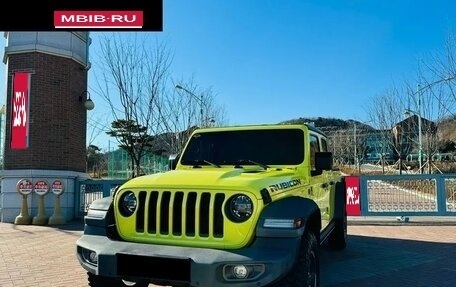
pixel 306 271
pixel 102 281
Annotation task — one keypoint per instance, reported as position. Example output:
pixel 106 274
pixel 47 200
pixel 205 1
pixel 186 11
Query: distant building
pixel 406 135
pixel 379 147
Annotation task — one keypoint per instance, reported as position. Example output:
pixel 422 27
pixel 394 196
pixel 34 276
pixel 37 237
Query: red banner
pixel 19 111
pixel 353 195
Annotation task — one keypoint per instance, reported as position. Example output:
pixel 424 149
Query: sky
pixel 269 61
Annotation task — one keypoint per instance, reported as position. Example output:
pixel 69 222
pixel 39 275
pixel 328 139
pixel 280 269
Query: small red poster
pixel 353 203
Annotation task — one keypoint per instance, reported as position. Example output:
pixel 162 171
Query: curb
pixel 403 220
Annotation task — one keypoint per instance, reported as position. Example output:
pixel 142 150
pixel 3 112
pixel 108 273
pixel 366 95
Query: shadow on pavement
pixel 75 225
pixel 371 261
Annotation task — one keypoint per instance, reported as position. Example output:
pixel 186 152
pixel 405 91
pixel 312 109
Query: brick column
pixel 57 65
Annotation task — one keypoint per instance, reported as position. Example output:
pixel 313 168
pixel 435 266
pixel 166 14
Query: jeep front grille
pixel 178 213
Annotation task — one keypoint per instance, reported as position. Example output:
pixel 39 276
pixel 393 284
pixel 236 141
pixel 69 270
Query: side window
pixel 314 147
pixel 324 145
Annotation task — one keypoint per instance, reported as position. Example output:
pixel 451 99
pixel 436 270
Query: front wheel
pixel 102 281
pixel 306 270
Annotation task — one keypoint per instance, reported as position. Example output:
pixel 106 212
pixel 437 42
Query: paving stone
pixel 378 254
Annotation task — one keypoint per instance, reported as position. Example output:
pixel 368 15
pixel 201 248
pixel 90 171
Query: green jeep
pixel 240 206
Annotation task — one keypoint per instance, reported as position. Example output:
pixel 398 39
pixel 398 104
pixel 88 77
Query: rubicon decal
pixel 284 185
pixel 98 19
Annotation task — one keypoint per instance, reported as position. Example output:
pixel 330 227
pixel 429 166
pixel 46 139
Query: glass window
pixel 314 147
pixel 324 145
pixel 265 146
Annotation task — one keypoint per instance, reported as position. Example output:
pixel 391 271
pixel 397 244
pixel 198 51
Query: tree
pixel 184 111
pixel 348 144
pixel 148 114
pixel 439 71
pixel 341 145
pixel 96 161
pixel 386 110
pixel 132 138
pixel 437 86
pixel 133 80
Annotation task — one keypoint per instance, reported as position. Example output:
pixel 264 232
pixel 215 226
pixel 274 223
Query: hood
pixel 218 178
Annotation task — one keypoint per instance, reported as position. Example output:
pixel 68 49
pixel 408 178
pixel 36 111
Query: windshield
pixel 264 146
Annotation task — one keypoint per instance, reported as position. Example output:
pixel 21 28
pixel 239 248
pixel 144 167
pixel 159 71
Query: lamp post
pixel 199 99
pixel 419 92
pixel 355 160
pixel 420 131
pixel 420 138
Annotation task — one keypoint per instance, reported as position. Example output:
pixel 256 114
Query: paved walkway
pixel 387 252
pixel 381 252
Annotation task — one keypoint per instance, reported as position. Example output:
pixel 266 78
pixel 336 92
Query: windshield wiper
pixel 197 163
pixel 247 161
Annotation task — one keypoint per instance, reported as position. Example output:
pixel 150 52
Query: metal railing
pixel 380 195
pixel 407 195
pixel 89 190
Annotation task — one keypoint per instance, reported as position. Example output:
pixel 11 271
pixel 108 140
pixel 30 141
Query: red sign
pixel 24 186
pixel 353 195
pixel 41 187
pixel 57 187
pixel 98 19
pixel 20 109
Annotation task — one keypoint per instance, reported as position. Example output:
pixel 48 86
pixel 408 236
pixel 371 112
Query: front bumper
pixel 175 265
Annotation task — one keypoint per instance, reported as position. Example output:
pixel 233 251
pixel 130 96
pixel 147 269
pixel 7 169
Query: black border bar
pixel 22 16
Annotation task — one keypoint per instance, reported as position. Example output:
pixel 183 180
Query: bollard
pixel 24 187
pixel 23 217
pixel 57 188
pixel 41 188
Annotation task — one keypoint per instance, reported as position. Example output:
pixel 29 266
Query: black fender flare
pixel 101 203
pixel 340 199
pixel 99 219
pixel 298 209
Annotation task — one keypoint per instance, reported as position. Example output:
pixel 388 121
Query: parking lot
pixel 383 253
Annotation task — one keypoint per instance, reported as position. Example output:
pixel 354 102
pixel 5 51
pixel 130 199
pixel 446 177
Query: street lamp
pixel 199 99
pixel 355 160
pixel 418 92
pixel 420 139
pixel 407 112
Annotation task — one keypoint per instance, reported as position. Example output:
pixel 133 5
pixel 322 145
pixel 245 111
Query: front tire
pixel 306 270
pixel 102 281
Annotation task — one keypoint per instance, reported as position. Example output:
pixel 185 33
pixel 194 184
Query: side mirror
pixel 172 161
pixel 323 160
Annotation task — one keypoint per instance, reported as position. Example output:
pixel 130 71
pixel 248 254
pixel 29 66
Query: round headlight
pixel 127 203
pixel 240 207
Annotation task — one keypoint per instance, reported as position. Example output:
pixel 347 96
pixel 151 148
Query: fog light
pixel 88 255
pixel 93 257
pixel 240 271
